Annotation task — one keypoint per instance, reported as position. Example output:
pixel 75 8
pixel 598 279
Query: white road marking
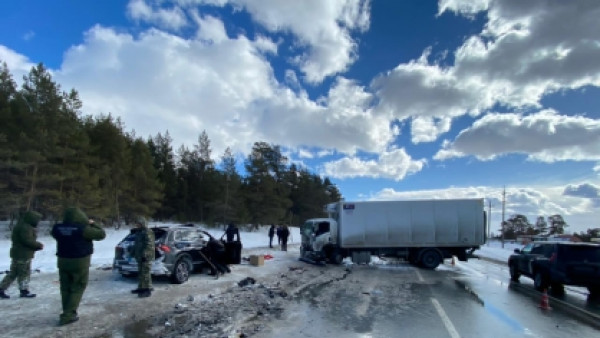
pixel 449 326
pixel 419 275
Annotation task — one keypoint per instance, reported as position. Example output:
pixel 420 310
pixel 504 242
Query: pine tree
pixel 164 162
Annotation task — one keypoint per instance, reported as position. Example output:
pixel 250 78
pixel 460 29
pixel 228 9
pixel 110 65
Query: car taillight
pixel 164 248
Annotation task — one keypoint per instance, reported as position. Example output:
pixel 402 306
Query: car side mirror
pixel 518 251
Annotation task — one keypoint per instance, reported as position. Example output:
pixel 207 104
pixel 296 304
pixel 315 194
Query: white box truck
pixel 424 232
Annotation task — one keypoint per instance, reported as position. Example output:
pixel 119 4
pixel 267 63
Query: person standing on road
pixel 24 245
pixel 271 234
pixel 285 233
pixel 74 248
pixel 143 251
pixel 278 231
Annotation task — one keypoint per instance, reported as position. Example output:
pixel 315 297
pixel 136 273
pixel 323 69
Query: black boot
pixel 26 294
pixel 144 293
pixel 3 295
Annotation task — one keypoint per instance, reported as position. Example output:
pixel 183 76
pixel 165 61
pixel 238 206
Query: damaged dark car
pixel 179 251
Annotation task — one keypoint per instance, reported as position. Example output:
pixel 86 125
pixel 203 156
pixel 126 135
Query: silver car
pixel 180 250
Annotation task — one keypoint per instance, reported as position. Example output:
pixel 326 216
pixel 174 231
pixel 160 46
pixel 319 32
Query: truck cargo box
pixel 416 223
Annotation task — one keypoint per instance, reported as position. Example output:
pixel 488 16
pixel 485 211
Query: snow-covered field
pixel 45 260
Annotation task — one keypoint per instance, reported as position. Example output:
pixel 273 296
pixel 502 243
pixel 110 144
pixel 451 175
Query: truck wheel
pixel 430 259
pixel 336 257
pixel 514 273
pixel 540 281
pixel 181 271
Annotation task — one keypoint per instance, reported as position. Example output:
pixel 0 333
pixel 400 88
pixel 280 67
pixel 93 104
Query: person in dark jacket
pixel 216 253
pixel 285 233
pixel 278 232
pixel 24 245
pixel 74 249
pixel 231 232
pixel 143 251
pixel 271 234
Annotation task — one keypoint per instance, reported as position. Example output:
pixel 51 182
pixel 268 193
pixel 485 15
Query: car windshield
pixel 527 248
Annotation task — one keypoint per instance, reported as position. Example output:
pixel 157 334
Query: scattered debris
pixel 246 281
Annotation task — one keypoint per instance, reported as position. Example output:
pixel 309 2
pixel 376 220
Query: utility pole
pixel 503 208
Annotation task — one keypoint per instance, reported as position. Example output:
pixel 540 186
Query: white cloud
pixel 465 7
pixel 532 202
pixel 29 35
pixel 584 190
pixel 544 136
pixel 394 164
pixel 323 27
pixel 303 153
pixel 159 81
pixel 324 153
pixel 173 18
pixel 427 129
pixel 18 64
pixel 210 28
pixel 526 51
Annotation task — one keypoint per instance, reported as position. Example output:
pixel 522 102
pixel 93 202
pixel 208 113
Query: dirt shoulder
pixel 203 306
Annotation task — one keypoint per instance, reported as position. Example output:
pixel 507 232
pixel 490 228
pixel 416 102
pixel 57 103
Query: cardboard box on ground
pixel 257 260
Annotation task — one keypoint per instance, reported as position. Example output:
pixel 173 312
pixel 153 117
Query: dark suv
pixel 179 251
pixel 555 264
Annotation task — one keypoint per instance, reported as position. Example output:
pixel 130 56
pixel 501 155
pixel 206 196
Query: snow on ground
pixel 493 250
pixel 104 251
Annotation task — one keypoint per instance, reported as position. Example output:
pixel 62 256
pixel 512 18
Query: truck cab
pixel 318 240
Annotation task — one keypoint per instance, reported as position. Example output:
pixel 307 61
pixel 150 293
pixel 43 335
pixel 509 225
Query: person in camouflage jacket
pixel 74 248
pixel 143 251
pixel 24 244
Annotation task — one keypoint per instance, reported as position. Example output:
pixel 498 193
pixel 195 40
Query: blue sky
pixel 390 99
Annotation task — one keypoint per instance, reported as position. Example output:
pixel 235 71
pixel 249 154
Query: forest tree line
pixel 52 156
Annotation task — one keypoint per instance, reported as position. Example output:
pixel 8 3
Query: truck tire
pixel 540 281
pixel 336 257
pixel 181 270
pixel 430 259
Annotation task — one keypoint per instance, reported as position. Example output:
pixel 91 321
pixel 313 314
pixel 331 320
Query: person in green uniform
pixel 24 245
pixel 143 251
pixel 74 249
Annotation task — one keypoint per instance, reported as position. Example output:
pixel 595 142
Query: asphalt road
pixel 474 299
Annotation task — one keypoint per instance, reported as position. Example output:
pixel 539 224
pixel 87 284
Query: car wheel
pixel 430 259
pixel 181 271
pixel 540 281
pixel 514 273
